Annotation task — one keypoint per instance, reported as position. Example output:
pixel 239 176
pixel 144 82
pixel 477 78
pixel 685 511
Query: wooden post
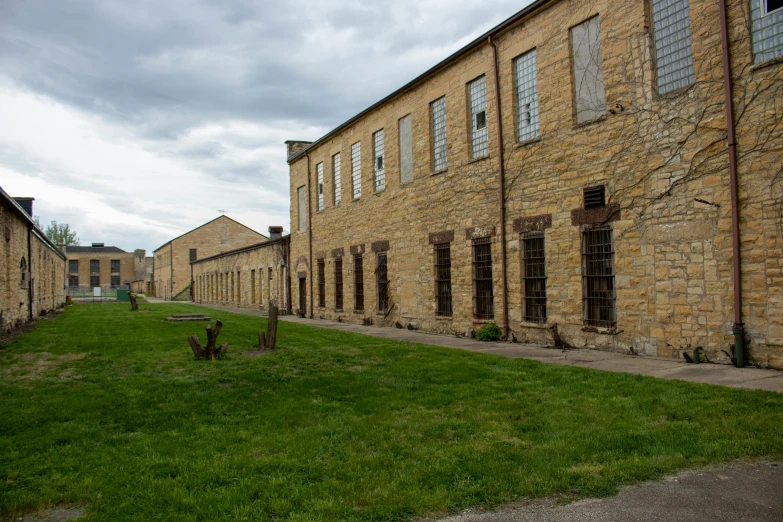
pixel 271 335
pixel 134 302
pixel 209 351
pixel 261 341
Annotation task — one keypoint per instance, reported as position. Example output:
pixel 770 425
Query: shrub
pixel 488 333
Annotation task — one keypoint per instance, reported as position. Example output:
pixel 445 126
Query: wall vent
pixel 595 196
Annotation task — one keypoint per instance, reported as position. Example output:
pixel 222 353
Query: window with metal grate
pixel 358 283
pixel 438 112
pixel 534 277
pixel 477 98
pixel 338 284
pixel 382 281
pixel 321 283
pixel 598 288
pixel 443 303
pixel 483 299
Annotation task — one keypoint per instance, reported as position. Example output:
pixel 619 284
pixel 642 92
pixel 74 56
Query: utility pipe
pixel 502 190
pixel 308 209
pixel 739 349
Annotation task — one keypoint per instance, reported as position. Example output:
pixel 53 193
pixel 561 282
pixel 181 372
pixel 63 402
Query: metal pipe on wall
pixel 308 209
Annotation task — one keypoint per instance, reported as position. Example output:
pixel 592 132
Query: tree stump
pixel 268 340
pixel 134 302
pixel 208 352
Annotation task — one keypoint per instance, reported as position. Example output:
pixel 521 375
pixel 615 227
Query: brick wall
pixel 127 272
pixel 662 160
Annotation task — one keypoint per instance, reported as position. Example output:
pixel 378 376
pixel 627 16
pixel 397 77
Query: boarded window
pixel 406 149
pixel 338 283
pixel 439 155
pixel 379 169
pixel 358 283
pixel 443 280
pixel 382 281
pixel 321 283
pixel 534 277
pixel 766 22
pixel 73 266
pixel 356 170
pixel 319 177
pixel 598 290
pixel 477 99
pixel 526 76
pixel 588 71
pixel 302 209
pixel 337 185
pixel 673 47
pixel 483 299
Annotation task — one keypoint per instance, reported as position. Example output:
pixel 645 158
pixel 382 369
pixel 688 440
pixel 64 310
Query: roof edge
pixel 205 224
pixel 248 248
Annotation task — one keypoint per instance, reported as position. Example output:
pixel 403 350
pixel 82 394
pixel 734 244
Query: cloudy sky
pixel 135 121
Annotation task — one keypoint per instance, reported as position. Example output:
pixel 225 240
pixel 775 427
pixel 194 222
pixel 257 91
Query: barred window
pixel 356 170
pixel 406 149
pixel 302 209
pixel 477 96
pixel 598 290
pixel 319 176
pixel 382 280
pixel 673 46
pixel 73 266
pixel 95 266
pixel 439 155
pixel 483 301
pixel 527 96
pixel 252 286
pixel 534 277
pixel 115 265
pixel 378 166
pixel 358 284
pixel 337 185
pixel 589 92
pixel 766 23
pixel 321 284
pixel 443 280
pixel 338 283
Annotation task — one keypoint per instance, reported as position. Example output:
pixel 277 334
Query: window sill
pixel 358 311
pixel 527 143
pixel 444 317
pixel 768 63
pixel 537 326
pixel 404 184
pixel 379 191
pixel 601 331
pixel 476 160
pixel 589 123
pixel 338 310
pixel 439 172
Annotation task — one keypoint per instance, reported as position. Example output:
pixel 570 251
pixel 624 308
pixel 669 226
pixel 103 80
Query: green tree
pixel 61 234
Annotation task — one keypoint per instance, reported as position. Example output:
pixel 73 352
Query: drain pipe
pixel 30 286
pixel 309 210
pixel 502 190
pixel 738 330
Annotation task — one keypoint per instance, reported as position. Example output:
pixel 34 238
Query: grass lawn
pixel 108 408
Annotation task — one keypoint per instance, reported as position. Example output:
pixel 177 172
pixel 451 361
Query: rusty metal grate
pixel 594 197
pixel 321 283
pixel 358 283
pixel 483 302
pixel 534 277
pixel 598 288
pixel 382 280
pixel 443 280
pixel 338 283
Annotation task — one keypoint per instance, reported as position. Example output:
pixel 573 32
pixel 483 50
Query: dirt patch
pixel 58 513
pixel 41 365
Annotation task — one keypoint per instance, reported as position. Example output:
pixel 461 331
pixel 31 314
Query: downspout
pixel 30 271
pixel 502 190
pixel 309 210
pixel 288 272
pixel 171 271
pixel 735 232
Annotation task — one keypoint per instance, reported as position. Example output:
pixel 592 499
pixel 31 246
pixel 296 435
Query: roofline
pixel 248 248
pixel 27 217
pixel 205 224
pixel 503 26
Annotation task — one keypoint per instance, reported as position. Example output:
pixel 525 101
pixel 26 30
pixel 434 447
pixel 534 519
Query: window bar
pixel 534 276
pixel 338 283
pixel 443 280
pixel 321 284
pixel 483 302
pixel 382 277
pixel 358 284
pixel 598 279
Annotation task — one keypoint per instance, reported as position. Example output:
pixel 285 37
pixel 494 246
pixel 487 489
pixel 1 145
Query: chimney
pixel 97 245
pixel 275 232
pixel 26 204
pixel 295 147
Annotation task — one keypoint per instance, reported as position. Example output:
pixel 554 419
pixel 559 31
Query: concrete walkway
pixel 722 375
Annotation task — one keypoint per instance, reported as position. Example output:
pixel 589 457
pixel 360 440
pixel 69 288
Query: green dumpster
pixel 123 296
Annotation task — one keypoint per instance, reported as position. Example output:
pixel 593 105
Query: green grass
pixel 108 408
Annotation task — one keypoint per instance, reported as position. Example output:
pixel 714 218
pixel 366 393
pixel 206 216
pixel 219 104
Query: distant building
pixel 172 260
pixel 32 277
pixel 101 266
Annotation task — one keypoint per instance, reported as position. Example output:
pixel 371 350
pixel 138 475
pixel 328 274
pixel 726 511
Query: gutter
pixel 309 210
pixel 502 187
pixel 738 330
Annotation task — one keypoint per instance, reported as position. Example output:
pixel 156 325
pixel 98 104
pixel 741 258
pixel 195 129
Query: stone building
pixel 32 268
pixel 101 266
pixel 172 260
pixel 143 278
pixel 570 170
pixel 248 277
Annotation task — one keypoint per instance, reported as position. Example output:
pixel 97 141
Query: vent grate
pixel 595 197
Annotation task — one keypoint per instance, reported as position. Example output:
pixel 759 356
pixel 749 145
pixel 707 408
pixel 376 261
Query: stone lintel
pixel 445 236
pixel 338 252
pixel 537 223
pixel 357 250
pixel 479 232
pixel 380 246
pixel 594 216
